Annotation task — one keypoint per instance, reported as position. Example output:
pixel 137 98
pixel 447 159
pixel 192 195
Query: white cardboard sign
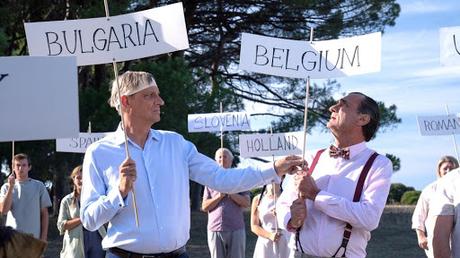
pixel 119 38
pixel 439 125
pixel 78 144
pixel 449 39
pixel 38 98
pixel 214 122
pixel 321 59
pixel 263 145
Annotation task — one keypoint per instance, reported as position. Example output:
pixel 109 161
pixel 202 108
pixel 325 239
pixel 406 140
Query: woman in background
pixel 78 242
pixel 422 220
pixel 272 241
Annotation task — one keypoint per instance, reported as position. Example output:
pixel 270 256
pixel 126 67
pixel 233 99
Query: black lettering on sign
pixel 455 45
pixel 2 76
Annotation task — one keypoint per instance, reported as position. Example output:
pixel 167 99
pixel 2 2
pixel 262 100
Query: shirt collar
pixel 356 149
pixel 119 137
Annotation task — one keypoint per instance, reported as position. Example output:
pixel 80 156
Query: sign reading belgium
pixel 116 38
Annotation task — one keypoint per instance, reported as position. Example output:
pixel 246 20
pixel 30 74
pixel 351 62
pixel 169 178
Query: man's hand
pixel 423 242
pixel 298 213
pixel 288 165
pixel 11 180
pixel 127 176
pixel 306 186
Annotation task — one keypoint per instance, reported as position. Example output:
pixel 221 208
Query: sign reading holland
pixel 263 145
pixel 439 125
pixel 214 122
pixel 321 59
pixel 117 38
pixel 78 144
pixel 449 39
pixel 38 98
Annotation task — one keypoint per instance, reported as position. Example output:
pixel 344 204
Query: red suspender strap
pixel 356 197
pixel 315 161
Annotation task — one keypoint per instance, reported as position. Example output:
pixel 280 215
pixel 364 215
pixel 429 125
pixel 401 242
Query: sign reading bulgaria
pixel 38 98
pixel 263 145
pixel 78 144
pixel 214 122
pixel 117 38
pixel 320 59
pixel 449 45
pixel 439 125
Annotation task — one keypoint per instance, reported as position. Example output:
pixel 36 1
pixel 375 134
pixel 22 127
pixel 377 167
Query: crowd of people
pixel 326 205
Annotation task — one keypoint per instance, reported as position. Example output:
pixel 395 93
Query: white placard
pixel 38 98
pixel 263 145
pixel 449 39
pixel 78 144
pixel 119 38
pixel 439 125
pixel 214 122
pixel 300 59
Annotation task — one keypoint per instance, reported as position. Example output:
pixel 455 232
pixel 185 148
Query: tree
pixel 410 197
pixel 396 192
pixel 208 73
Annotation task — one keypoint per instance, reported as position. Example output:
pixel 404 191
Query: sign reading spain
pixel 319 59
pixel 439 125
pixel 214 122
pixel 117 38
pixel 78 144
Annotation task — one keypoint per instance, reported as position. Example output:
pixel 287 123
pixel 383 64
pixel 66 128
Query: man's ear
pixel 124 101
pixel 364 119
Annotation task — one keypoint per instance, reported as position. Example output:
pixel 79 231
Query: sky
pixel 413 79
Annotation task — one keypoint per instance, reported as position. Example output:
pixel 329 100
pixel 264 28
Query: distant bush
pixel 396 192
pixel 410 197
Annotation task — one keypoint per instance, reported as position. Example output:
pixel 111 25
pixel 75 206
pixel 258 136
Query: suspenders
pixel 358 190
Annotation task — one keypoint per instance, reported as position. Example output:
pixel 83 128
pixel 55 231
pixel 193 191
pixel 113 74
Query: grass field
pixel 392 239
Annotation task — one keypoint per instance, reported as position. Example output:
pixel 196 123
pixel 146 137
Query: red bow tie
pixel 335 152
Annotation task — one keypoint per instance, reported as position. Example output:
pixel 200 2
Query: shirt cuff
pixel 115 198
pixel 269 174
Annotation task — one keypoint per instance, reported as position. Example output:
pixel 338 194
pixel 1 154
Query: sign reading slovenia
pixel 214 122
pixel 449 45
pixel 78 144
pixel 263 145
pixel 38 98
pixel 117 38
pixel 439 125
pixel 320 59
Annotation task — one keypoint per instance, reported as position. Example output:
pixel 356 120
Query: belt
pixel 127 254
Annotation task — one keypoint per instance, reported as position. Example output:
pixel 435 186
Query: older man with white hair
pixel 159 168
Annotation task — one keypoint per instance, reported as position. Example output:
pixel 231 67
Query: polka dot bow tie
pixel 335 152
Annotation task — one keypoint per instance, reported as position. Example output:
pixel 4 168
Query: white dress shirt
pixel 423 218
pixel 447 202
pixel 322 231
pixel 164 167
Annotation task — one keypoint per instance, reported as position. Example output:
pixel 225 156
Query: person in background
pixel 423 219
pixel 78 242
pixel 272 242
pixel 446 209
pixel 226 229
pixel 25 200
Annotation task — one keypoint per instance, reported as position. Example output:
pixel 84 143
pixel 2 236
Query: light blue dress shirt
pixel 164 167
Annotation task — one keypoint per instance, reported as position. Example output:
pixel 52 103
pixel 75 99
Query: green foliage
pixel 396 192
pixel 395 161
pixel 410 197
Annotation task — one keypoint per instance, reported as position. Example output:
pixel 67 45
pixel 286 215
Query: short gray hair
pixel 130 82
pixel 230 154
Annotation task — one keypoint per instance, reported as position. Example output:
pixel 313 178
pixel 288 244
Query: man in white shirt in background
pixel 319 206
pixel 160 166
pixel 446 208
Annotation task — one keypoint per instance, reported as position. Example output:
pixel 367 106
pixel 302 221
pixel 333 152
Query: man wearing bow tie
pixel 335 203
